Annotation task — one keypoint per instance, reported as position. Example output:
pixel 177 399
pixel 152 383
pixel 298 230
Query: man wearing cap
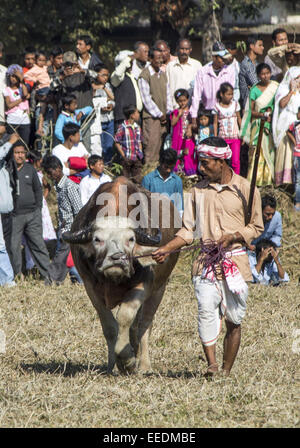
pixel 136 60
pixel 215 209
pixel 209 79
pixel 74 80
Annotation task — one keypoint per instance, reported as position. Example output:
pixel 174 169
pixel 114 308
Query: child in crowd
pixel 227 121
pixel 205 130
pixel 268 270
pixel 72 153
pixel 16 100
pixel 205 126
pixel 294 135
pixel 103 89
pixel 70 113
pixel 128 141
pixel 94 179
pixel 69 204
pixel 182 137
pixel 38 74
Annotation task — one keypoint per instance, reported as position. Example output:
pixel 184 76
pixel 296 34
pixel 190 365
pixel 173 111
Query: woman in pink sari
pixel 182 140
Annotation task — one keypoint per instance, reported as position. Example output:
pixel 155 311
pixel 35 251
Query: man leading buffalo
pixel 216 210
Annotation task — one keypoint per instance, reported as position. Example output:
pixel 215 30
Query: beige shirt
pixel 182 76
pixel 277 56
pixel 211 212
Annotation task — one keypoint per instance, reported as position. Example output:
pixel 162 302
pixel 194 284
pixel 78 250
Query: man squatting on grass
pixel 216 210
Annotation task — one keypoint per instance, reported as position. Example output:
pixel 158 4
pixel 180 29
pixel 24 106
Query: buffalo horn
pixel 79 237
pixel 145 239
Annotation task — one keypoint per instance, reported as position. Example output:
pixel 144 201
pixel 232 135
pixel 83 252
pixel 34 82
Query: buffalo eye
pixel 98 241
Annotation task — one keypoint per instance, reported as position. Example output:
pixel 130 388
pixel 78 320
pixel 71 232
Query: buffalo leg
pixel 149 310
pixel 126 314
pixel 108 323
pixel 110 331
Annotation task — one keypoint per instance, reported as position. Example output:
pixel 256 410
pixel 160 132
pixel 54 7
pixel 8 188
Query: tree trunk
pixel 211 32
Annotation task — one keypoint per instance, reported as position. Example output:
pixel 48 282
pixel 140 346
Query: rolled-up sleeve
pixel 256 225
pixel 188 220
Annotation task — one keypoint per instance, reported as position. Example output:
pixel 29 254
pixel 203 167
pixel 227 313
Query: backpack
pixel 6 198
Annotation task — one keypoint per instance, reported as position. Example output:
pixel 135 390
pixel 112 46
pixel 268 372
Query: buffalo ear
pixel 144 250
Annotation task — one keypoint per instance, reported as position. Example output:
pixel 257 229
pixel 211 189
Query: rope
pixel 210 257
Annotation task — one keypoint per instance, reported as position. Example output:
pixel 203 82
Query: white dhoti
pixel 215 300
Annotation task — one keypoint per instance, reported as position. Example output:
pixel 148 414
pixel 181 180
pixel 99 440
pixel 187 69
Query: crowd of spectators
pixel 64 114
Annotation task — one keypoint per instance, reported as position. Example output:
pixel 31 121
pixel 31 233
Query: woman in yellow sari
pixel 260 104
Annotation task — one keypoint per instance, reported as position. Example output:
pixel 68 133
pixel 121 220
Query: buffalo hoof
pixel 126 366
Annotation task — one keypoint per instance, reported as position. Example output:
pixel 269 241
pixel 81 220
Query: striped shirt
pixel 207 83
pixel 129 136
pixel 247 78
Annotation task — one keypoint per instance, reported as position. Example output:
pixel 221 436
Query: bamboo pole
pixel 254 173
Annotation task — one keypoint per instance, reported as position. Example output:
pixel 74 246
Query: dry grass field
pixel 53 369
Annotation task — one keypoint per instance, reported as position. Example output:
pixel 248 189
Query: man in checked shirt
pixel 69 203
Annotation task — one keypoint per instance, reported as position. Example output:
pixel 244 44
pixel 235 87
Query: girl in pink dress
pixel 182 140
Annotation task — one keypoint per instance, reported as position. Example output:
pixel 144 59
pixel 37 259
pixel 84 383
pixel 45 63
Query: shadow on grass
pixel 67 369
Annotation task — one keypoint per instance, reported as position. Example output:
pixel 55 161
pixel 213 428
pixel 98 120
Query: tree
pixel 30 22
pixel 181 16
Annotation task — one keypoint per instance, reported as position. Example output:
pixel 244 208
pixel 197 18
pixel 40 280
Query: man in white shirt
pixel 90 183
pixel 72 147
pixel 182 71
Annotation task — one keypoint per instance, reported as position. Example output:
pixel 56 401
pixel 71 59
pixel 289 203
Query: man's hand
pixel 274 254
pixel 19 75
pixel 14 138
pixel 163 120
pixel 79 116
pixel 227 239
pixel 68 71
pixel 159 255
pixel 295 48
pixel 265 253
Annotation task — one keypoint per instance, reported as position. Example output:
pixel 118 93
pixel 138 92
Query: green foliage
pixel 116 169
pixel 29 22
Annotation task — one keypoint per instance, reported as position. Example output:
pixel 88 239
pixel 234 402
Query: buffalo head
pixel 112 240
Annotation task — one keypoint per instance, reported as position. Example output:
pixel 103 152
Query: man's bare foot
pixel 212 369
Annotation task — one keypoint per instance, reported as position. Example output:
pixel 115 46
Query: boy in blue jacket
pixel 70 114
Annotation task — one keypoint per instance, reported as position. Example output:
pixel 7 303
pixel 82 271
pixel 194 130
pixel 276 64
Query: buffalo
pixel 110 239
